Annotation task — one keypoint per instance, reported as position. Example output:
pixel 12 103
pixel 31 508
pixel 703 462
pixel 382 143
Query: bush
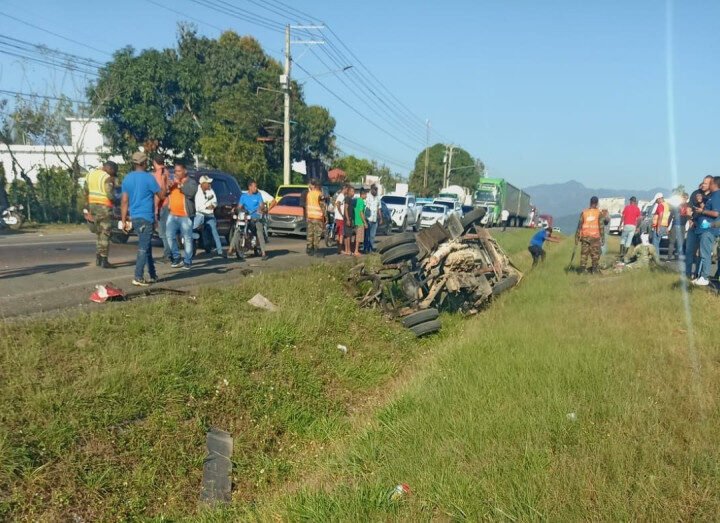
pixel 57 197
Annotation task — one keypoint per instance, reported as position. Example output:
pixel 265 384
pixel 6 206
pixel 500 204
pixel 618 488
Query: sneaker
pixel 177 264
pixel 186 267
pixel 265 257
pixel 140 283
pixel 701 282
pixel 152 279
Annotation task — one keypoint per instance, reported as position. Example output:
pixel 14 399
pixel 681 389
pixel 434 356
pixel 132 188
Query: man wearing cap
pixel 100 194
pixel 660 221
pixel 139 190
pixel 205 204
pixel 629 223
pixel 181 201
pixel 590 235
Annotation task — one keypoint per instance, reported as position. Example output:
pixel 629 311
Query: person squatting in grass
pixel 536 244
pixel 589 234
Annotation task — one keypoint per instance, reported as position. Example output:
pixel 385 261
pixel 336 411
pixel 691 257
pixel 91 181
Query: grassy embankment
pixel 573 398
pixel 104 416
pixel 477 425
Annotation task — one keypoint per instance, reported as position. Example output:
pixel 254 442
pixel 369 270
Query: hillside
pixel 569 198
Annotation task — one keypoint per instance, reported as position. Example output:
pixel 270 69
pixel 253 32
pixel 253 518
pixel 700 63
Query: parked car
pixel 404 211
pixel 432 214
pixel 452 206
pixel 614 225
pixel 295 189
pixel 287 216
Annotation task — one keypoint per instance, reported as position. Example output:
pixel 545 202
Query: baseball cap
pixel 205 179
pixel 139 158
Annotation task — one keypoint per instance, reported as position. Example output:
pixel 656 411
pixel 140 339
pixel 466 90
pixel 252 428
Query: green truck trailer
pixel 496 194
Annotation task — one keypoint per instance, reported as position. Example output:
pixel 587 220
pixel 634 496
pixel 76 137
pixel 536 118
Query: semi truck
pixel 496 194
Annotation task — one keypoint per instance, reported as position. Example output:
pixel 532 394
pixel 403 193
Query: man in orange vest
pixel 314 212
pixel 590 235
pixel 100 193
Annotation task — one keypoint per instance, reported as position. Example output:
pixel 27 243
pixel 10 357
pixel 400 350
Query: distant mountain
pixel 569 198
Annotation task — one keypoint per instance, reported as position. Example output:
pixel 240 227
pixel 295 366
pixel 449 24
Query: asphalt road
pixel 41 273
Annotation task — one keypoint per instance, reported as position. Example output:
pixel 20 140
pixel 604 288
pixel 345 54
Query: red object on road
pixel 107 292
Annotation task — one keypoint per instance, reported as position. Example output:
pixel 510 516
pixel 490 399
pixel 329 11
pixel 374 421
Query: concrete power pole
pixel 286 133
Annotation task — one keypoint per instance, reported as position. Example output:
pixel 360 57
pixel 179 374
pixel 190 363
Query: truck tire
pixel 394 241
pixel 472 218
pixel 420 317
pixel 423 329
pixel 505 284
pixel 400 253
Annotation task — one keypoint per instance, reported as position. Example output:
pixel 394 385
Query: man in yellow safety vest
pixel 100 194
pixel 314 211
pixel 590 235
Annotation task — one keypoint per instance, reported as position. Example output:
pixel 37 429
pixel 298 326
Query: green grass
pixel 483 431
pixel 104 416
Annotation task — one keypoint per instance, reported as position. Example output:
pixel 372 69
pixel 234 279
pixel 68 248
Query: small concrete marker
pixel 261 302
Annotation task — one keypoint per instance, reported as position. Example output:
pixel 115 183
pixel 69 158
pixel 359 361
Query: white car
pixel 432 214
pixel 404 211
pixel 453 206
pixel 614 226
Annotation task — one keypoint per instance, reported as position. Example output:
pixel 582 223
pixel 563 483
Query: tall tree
pixel 465 171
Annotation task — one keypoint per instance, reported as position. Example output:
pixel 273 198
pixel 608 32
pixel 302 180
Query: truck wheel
pixel 420 317
pixel 423 329
pixel 394 241
pixel 400 253
pixel 504 285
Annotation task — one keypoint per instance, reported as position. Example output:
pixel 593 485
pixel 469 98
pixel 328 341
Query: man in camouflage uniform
pixel 590 235
pixel 100 194
pixel 314 212
pixel 642 255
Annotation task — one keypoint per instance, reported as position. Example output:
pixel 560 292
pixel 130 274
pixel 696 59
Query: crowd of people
pixel 176 206
pixel 689 223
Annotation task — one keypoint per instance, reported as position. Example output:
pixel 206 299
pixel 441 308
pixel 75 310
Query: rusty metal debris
pixel 457 267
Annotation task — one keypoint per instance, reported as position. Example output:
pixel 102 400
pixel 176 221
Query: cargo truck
pixel 496 194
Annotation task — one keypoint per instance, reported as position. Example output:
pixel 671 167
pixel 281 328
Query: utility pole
pixel 286 133
pixel 427 154
pixel 448 165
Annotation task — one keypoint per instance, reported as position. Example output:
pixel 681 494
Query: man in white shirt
pixel 339 215
pixel 205 204
pixel 505 218
pixel 374 218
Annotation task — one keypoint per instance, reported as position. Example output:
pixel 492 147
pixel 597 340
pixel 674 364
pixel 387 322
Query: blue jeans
pixel 211 223
pixel 180 225
pixel 144 230
pixel 370 236
pixel 691 244
pixel 707 245
pixel 162 222
pixel 657 236
pixel 627 235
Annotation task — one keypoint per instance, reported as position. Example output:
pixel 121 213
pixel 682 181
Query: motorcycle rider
pixel 100 194
pixel 252 203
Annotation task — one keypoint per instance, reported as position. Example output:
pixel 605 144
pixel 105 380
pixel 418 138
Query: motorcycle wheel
pixel 330 240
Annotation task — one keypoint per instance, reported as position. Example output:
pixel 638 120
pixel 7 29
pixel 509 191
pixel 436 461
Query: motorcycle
pixel 244 236
pixel 12 218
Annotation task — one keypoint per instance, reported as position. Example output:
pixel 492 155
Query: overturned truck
pixel 457 267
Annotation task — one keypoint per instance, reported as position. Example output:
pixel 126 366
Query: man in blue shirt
pixel 252 203
pixel 706 229
pixel 139 190
pixel 536 244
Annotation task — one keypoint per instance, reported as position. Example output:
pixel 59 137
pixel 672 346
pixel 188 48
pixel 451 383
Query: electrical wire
pixel 46 97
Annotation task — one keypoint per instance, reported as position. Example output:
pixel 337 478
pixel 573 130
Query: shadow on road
pixel 50 268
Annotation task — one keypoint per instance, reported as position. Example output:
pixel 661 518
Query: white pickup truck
pixel 404 211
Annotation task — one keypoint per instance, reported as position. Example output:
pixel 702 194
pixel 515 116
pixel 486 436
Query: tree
pixel 355 168
pixel 465 171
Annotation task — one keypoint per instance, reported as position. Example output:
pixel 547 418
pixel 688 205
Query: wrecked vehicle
pixel 456 267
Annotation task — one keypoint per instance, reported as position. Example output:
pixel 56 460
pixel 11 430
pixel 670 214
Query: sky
pixel 541 92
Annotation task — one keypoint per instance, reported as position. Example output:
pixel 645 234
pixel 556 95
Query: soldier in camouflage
pixel 315 215
pixel 590 236
pixel 100 195
pixel 642 255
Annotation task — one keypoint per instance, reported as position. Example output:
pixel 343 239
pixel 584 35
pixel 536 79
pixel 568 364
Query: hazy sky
pixel 541 91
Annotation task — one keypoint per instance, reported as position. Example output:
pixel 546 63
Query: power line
pixel 242 14
pixel 47 97
pixel 44 50
pixel 179 13
pixel 357 145
pixel 29 24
